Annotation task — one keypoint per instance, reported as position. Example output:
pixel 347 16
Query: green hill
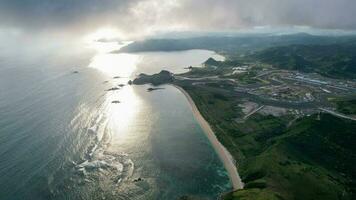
pixel 314 159
pixel 336 60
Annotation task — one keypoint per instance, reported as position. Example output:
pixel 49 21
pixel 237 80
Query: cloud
pixel 43 14
pixel 246 13
pixel 142 17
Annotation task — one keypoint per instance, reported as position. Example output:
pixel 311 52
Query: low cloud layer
pixel 142 17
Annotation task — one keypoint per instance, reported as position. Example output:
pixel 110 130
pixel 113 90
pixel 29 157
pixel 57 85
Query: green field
pixel 346 105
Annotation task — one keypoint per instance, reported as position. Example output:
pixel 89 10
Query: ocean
pixel 63 135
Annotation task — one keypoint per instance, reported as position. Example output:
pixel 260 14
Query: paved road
pixel 337 114
pixel 182 78
pixel 270 72
pixel 253 112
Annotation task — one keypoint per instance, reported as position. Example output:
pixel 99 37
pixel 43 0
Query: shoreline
pixel 222 152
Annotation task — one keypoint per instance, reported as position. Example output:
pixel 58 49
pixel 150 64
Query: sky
pixel 140 18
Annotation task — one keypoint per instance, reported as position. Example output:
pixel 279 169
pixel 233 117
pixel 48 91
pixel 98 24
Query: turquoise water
pixel 61 137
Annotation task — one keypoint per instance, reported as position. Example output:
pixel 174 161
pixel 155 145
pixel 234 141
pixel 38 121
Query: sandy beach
pixel 223 154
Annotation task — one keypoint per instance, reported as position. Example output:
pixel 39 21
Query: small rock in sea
pixel 115 102
pixel 75 72
pixel 105 82
pixel 153 89
pixel 130 82
pixel 138 180
pixel 113 89
pixel 116 77
pixel 121 85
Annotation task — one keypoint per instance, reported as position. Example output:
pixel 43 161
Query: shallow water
pixel 61 137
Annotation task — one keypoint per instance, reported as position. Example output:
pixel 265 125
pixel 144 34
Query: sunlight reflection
pixel 110 63
pixel 122 105
pixel 122 115
pixel 115 64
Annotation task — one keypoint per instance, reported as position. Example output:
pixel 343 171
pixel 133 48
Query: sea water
pixel 62 137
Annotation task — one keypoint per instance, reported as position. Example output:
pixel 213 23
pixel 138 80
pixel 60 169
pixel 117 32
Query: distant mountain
pixel 233 44
pixel 332 60
pixel 332 56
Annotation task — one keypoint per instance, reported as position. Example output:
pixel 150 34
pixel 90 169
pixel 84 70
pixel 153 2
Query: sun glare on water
pixel 105 42
pixel 121 115
pixel 122 65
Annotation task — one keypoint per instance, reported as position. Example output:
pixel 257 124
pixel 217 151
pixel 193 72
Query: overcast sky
pixel 144 17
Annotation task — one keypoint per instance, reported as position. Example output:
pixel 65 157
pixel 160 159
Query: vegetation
pixel 155 79
pixel 346 105
pixel 312 159
pixel 336 60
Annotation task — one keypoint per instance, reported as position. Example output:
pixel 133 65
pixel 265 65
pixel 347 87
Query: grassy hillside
pixel 312 159
pixel 336 60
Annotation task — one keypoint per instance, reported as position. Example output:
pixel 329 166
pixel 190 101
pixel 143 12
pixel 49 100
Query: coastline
pixel 222 152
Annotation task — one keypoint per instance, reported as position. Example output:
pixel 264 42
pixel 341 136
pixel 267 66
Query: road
pixel 253 112
pixel 337 114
